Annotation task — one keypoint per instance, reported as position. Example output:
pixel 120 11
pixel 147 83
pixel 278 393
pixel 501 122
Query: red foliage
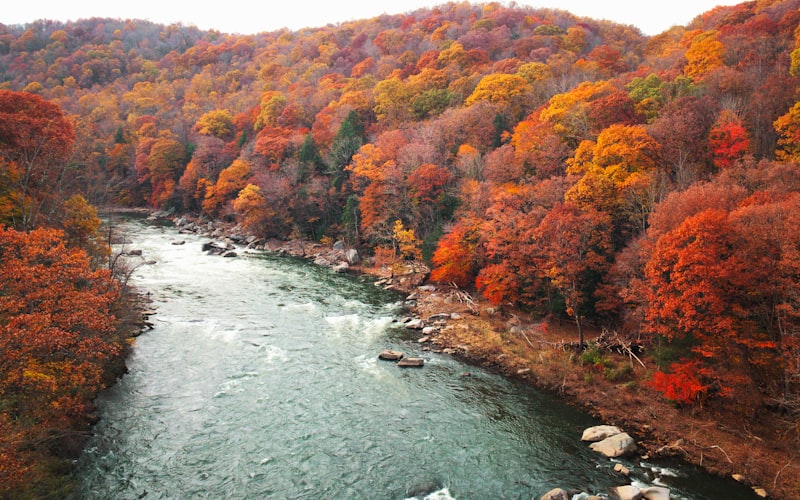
pixel 683 384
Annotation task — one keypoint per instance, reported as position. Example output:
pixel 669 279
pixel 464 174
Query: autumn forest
pixel 561 166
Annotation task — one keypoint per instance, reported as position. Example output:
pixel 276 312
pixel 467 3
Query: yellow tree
pixel 217 123
pixel 617 173
pixel 230 182
pixel 507 91
pixel 788 128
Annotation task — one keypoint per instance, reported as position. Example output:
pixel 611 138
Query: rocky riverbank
pixel 609 385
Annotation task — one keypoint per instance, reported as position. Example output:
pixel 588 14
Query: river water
pixel 260 380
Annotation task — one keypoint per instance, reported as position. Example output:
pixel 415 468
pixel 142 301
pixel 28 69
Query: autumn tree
pixel 457 258
pixel 165 163
pixel 217 123
pixel 575 251
pixel 788 127
pixel 230 182
pixel 617 175
pixel 35 143
pixel 57 334
pixel 702 296
pixel 728 140
pixel 81 227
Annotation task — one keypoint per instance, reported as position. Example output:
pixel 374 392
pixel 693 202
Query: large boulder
pixel 556 494
pixel 615 446
pixel 600 432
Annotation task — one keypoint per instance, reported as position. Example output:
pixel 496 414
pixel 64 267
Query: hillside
pixel 559 166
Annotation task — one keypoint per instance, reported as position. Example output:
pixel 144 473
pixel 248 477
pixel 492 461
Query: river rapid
pixel 260 379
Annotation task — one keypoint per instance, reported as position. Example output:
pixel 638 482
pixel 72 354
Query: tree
pixel 506 91
pixel 35 142
pixel 165 164
pixel 457 256
pixel 217 123
pixel 788 128
pixel 701 287
pixel 728 140
pixel 575 252
pixel 617 175
pixel 230 182
pixel 705 53
pixel 347 141
pixel 82 229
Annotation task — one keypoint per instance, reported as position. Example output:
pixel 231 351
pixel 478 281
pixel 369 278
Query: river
pixel 260 379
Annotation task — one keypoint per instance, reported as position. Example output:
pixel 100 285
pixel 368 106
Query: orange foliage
pixel 56 334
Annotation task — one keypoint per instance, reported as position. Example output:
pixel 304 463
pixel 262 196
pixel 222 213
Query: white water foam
pixel 443 494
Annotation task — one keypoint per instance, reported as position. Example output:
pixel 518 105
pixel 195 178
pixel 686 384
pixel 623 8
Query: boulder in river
pixel 615 446
pixel 390 355
pixel 622 470
pixel 411 362
pixel 627 492
pixel 656 493
pixel 415 324
pixel 556 494
pixel 600 432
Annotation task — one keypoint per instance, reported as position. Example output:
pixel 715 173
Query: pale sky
pixel 247 17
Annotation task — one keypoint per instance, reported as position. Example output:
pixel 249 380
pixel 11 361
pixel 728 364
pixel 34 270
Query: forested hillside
pixel 560 165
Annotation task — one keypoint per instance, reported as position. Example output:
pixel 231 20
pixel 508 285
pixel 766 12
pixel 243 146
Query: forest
pixel 562 166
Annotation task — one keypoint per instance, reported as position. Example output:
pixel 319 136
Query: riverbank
pixel 611 386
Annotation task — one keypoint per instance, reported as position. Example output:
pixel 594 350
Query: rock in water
pixel 411 362
pixel 390 355
pixel 622 470
pixel 415 324
pixel 626 493
pixel 600 432
pixel 655 493
pixel 556 494
pixel 615 446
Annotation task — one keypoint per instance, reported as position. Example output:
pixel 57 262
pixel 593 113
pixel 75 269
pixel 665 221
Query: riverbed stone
pixel 341 267
pixel 556 494
pixel 390 355
pixel 615 446
pixel 627 492
pixel 600 432
pixel 656 493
